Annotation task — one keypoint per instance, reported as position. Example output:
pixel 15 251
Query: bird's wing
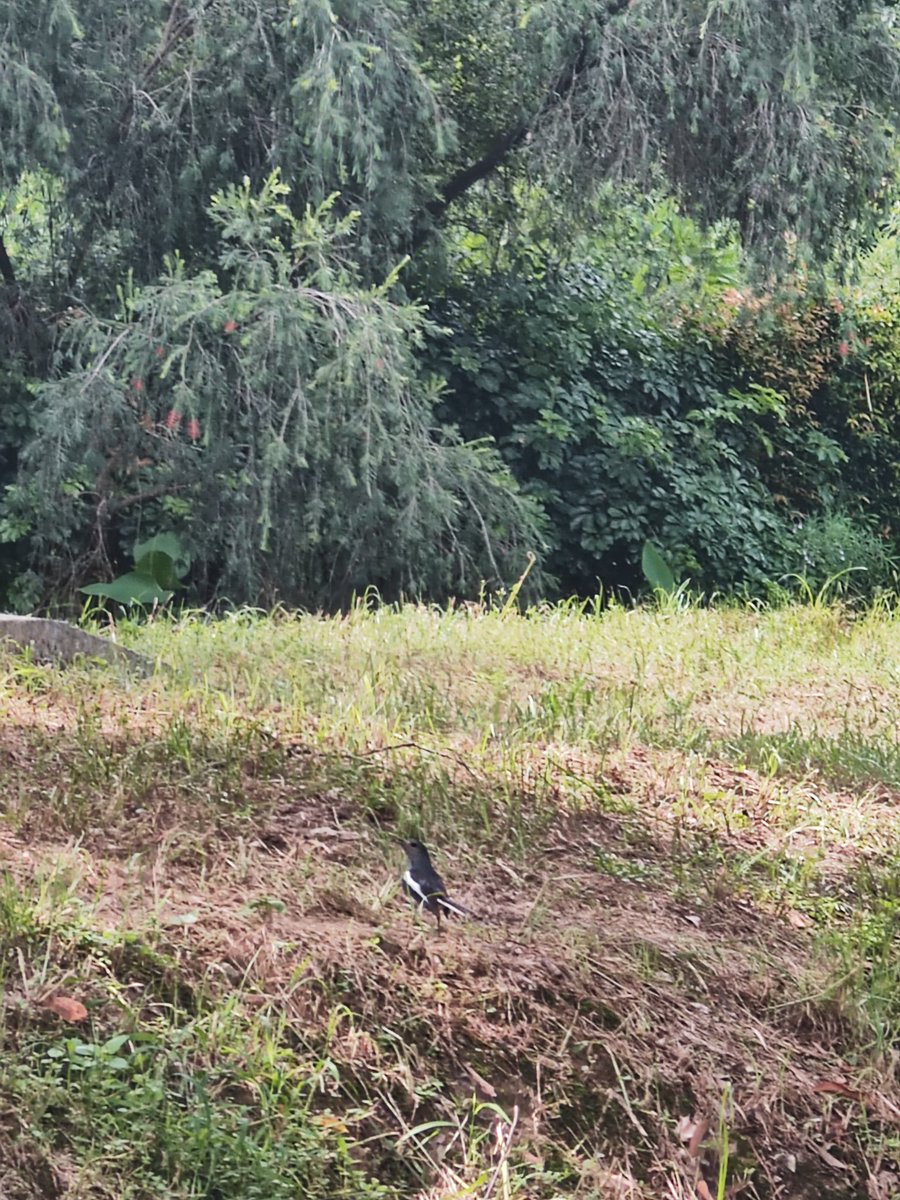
pixel 413 888
pixel 431 893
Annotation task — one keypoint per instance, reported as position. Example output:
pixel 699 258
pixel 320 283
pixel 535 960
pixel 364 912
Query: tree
pixel 780 116
pixel 276 415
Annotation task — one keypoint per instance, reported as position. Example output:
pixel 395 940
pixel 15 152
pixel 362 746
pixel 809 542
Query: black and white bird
pixel 425 888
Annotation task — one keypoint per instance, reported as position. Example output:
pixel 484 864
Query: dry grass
pixel 681 828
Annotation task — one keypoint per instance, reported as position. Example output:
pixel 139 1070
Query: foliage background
pixel 391 295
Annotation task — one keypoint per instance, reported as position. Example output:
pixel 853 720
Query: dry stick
pixel 626 1103
pixel 501 146
pixel 163 489
pixel 502 1166
pixel 814 997
pixel 97 367
pixel 535 902
pixel 457 758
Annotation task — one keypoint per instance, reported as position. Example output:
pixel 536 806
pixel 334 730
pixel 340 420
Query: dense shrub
pixel 625 426
pixel 839 551
pixel 860 405
pixel 837 361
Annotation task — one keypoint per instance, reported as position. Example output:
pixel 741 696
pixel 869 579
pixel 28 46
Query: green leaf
pixel 163 557
pixel 656 570
pixel 159 567
pixel 164 543
pixel 130 588
pixel 114 1044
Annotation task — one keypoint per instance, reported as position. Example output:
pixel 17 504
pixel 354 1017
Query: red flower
pixel 173 419
pixel 230 326
pixel 137 384
pixel 193 429
pixel 160 351
pixel 844 349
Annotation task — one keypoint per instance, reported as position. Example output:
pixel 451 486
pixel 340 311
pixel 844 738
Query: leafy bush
pixel 837 360
pixel 834 546
pixel 861 407
pixel 641 390
pixel 625 425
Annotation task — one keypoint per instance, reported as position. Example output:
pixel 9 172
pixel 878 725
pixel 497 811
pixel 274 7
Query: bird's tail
pixel 451 906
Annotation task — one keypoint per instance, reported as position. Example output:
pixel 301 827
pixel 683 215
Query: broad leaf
pixel 130 588
pixel 159 567
pixel 656 570
pixel 163 557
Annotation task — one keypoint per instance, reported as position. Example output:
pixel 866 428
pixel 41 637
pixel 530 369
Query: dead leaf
pixel 489 1090
pixel 330 1122
pixel 882 1186
pixel 67 1008
pixel 830 1159
pixel 533 1160
pixel 703 1191
pixel 798 919
pixel 692 919
pixel 833 1087
pixel 685 1128
pixel 693 1132
pixel 329 831
pixel 189 918
pixel 697 1137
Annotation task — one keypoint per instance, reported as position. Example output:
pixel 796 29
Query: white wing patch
pixel 419 897
pixel 414 887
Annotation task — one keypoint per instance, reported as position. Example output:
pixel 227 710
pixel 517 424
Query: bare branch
pixel 501 146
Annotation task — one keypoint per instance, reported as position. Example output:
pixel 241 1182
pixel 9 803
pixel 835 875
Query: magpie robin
pixel 425 888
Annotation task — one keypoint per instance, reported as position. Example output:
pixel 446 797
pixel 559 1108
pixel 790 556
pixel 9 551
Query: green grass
pixel 683 828
pixel 850 758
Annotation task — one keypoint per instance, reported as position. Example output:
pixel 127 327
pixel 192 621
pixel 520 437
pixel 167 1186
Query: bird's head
pixel 415 851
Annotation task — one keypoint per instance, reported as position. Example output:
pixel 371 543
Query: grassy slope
pixel 682 828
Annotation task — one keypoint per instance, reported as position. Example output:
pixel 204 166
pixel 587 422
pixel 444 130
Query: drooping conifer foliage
pixel 208 319
pixel 273 405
